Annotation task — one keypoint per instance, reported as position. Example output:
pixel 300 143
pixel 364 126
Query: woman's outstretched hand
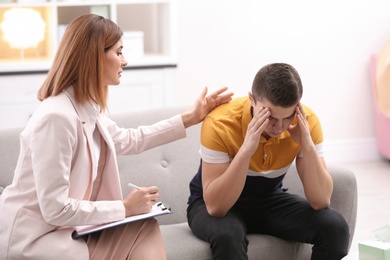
pixel 204 104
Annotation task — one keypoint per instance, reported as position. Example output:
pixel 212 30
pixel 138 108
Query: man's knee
pixel 334 235
pixel 334 225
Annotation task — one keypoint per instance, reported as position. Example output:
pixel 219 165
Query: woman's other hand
pixel 140 201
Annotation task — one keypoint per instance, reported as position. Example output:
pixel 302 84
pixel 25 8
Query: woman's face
pixel 113 64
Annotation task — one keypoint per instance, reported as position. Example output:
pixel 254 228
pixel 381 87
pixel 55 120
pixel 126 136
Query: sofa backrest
pixel 9 152
pixel 169 167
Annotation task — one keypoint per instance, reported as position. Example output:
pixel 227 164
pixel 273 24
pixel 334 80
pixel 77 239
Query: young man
pixel 247 146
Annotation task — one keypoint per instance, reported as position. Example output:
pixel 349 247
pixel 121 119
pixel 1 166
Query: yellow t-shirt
pixel 223 133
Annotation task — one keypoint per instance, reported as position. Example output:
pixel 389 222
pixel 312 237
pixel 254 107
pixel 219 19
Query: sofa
pixel 171 167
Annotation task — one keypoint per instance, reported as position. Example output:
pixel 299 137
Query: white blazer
pixel 52 184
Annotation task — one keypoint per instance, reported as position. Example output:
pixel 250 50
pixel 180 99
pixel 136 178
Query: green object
pixel 374 250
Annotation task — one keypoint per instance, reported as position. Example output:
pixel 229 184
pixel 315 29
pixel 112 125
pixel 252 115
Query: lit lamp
pixel 23 28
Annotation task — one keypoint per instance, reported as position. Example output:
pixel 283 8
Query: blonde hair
pixel 80 58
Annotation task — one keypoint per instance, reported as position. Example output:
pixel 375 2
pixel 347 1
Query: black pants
pixel 278 214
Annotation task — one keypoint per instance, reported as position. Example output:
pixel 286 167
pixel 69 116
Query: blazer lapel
pixel 84 118
pixel 111 185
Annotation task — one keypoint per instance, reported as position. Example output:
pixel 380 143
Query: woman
pixel 67 173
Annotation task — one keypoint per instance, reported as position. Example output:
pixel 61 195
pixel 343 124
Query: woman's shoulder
pixel 57 111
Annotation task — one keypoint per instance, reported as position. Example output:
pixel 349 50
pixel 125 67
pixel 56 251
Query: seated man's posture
pixel 247 146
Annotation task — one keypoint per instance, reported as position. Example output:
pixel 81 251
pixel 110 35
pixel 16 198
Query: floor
pixel 373 179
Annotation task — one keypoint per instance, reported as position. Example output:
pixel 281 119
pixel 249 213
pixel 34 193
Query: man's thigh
pixel 287 216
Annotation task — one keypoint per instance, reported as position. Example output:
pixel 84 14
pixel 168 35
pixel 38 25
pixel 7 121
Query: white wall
pixel 225 42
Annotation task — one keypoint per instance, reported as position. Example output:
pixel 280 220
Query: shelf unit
pixel 148 81
pixel 154 18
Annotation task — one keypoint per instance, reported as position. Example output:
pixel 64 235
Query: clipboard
pixel 158 209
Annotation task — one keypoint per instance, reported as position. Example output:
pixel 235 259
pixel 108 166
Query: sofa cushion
pixel 267 247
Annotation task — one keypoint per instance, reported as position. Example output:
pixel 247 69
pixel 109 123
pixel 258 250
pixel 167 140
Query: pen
pixel 133 186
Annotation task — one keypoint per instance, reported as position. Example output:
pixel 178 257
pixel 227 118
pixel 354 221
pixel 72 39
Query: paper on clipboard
pixel 158 209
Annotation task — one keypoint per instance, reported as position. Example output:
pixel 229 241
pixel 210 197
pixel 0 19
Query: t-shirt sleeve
pixel 213 147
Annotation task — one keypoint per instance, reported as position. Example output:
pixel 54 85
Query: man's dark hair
pixel 279 83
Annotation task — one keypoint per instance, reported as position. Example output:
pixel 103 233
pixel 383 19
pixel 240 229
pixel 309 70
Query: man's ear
pixel 250 96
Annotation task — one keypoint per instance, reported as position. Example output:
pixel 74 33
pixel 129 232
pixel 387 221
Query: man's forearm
pixel 222 193
pixel 317 182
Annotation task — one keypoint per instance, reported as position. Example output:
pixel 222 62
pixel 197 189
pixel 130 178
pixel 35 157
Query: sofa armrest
pixel 344 197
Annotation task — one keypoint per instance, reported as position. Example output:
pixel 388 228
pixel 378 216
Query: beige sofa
pixel 171 168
